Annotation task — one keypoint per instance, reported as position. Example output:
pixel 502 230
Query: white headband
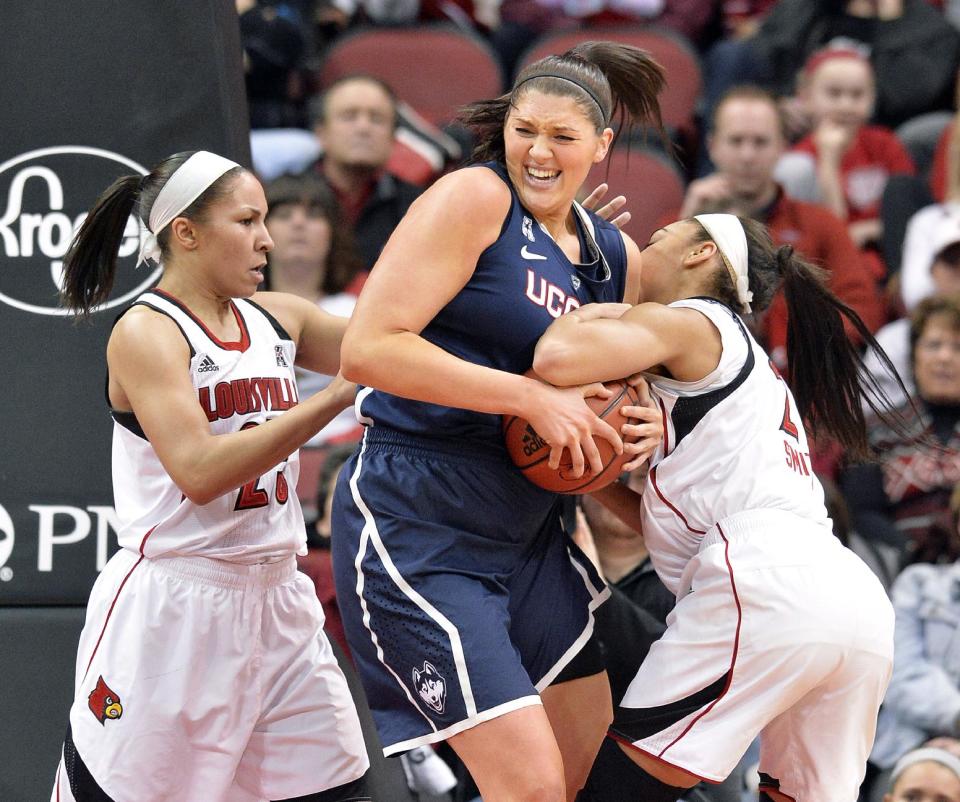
pixel 727 232
pixel 940 756
pixel 186 184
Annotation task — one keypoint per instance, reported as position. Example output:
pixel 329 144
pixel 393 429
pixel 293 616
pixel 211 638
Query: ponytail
pixel 90 264
pixel 826 371
pixel 614 84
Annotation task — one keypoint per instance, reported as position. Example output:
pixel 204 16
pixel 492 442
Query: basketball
pixel 530 453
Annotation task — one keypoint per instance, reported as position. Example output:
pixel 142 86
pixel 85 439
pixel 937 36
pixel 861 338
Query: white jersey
pixel 733 442
pixel 238 385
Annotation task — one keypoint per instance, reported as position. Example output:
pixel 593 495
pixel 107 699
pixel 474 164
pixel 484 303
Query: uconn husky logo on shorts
pixel 431 686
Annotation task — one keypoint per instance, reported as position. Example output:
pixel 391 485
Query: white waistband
pixel 228 574
pixel 741 525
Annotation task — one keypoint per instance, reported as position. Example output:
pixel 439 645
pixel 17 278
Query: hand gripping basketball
pixel 530 451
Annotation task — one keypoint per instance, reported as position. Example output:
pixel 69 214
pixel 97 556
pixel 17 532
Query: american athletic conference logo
pixel 44 197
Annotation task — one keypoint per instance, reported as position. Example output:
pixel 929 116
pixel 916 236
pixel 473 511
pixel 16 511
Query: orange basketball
pixel 530 453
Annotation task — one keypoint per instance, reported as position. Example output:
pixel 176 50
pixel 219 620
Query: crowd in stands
pixel 831 121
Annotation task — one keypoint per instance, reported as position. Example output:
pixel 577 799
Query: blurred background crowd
pixel 832 121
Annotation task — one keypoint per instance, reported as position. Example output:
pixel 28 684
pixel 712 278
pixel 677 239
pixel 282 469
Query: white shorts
pixel 785 634
pixel 199 680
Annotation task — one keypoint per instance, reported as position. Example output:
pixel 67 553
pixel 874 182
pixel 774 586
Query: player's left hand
pixel 649 429
pixel 609 210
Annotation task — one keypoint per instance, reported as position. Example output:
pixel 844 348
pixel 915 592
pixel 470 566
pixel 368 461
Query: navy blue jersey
pixel 522 282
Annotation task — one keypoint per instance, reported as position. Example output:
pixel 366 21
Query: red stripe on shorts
pixel 659 759
pixel 736 645
pixel 110 612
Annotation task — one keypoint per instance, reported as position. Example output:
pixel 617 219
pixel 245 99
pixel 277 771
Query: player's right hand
pixel 563 419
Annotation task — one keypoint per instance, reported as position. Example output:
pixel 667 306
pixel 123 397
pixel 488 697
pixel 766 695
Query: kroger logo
pixel 6 538
pixel 44 197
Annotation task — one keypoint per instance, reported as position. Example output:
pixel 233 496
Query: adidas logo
pixel 207 365
pixel 532 442
pixel 281 359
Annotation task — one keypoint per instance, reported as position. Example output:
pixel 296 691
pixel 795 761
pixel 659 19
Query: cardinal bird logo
pixel 104 703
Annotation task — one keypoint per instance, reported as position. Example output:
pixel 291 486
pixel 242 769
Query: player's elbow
pixel 198 491
pixel 552 362
pixel 356 357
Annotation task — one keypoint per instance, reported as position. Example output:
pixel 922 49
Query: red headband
pixel 826 54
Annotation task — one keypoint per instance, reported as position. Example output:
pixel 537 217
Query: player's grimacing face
pixel 550 145
pixel 233 238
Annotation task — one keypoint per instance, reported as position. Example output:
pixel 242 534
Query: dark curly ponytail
pixel 90 264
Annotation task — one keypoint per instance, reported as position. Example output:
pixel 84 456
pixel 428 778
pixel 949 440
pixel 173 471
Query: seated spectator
pixel 274 41
pixel 419 154
pixel 745 143
pixel 355 119
pixel 914 51
pixel 923 700
pixel 313 257
pixel 927 227
pixel 897 499
pixel 940 246
pixel 844 163
pixel 925 774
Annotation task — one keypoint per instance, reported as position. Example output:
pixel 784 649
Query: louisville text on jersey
pixel 243 396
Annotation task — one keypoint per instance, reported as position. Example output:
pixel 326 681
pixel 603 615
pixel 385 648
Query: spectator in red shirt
pixel 745 144
pixel 844 163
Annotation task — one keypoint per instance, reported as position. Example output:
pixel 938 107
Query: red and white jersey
pixel 733 442
pixel 238 385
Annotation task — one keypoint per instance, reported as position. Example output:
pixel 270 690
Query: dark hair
pixel 90 264
pixel 749 92
pixel 311 191
pixel 946 305
pixel 825 369
pixel 317 105
pixel 606 79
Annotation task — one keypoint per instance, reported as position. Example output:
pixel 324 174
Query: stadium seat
pixel 436 69
pixel 652 185
pixel 669 49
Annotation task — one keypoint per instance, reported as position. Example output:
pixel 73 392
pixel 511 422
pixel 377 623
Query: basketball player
pixel 778 629
pixel 464 604
pixel 202 671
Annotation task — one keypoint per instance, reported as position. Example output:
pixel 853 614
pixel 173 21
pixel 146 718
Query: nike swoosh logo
pixel 529 255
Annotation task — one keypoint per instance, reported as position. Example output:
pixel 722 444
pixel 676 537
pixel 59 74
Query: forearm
pixel 405 364
pixel 221 463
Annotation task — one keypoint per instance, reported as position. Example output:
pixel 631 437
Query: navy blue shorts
pixel 461 596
